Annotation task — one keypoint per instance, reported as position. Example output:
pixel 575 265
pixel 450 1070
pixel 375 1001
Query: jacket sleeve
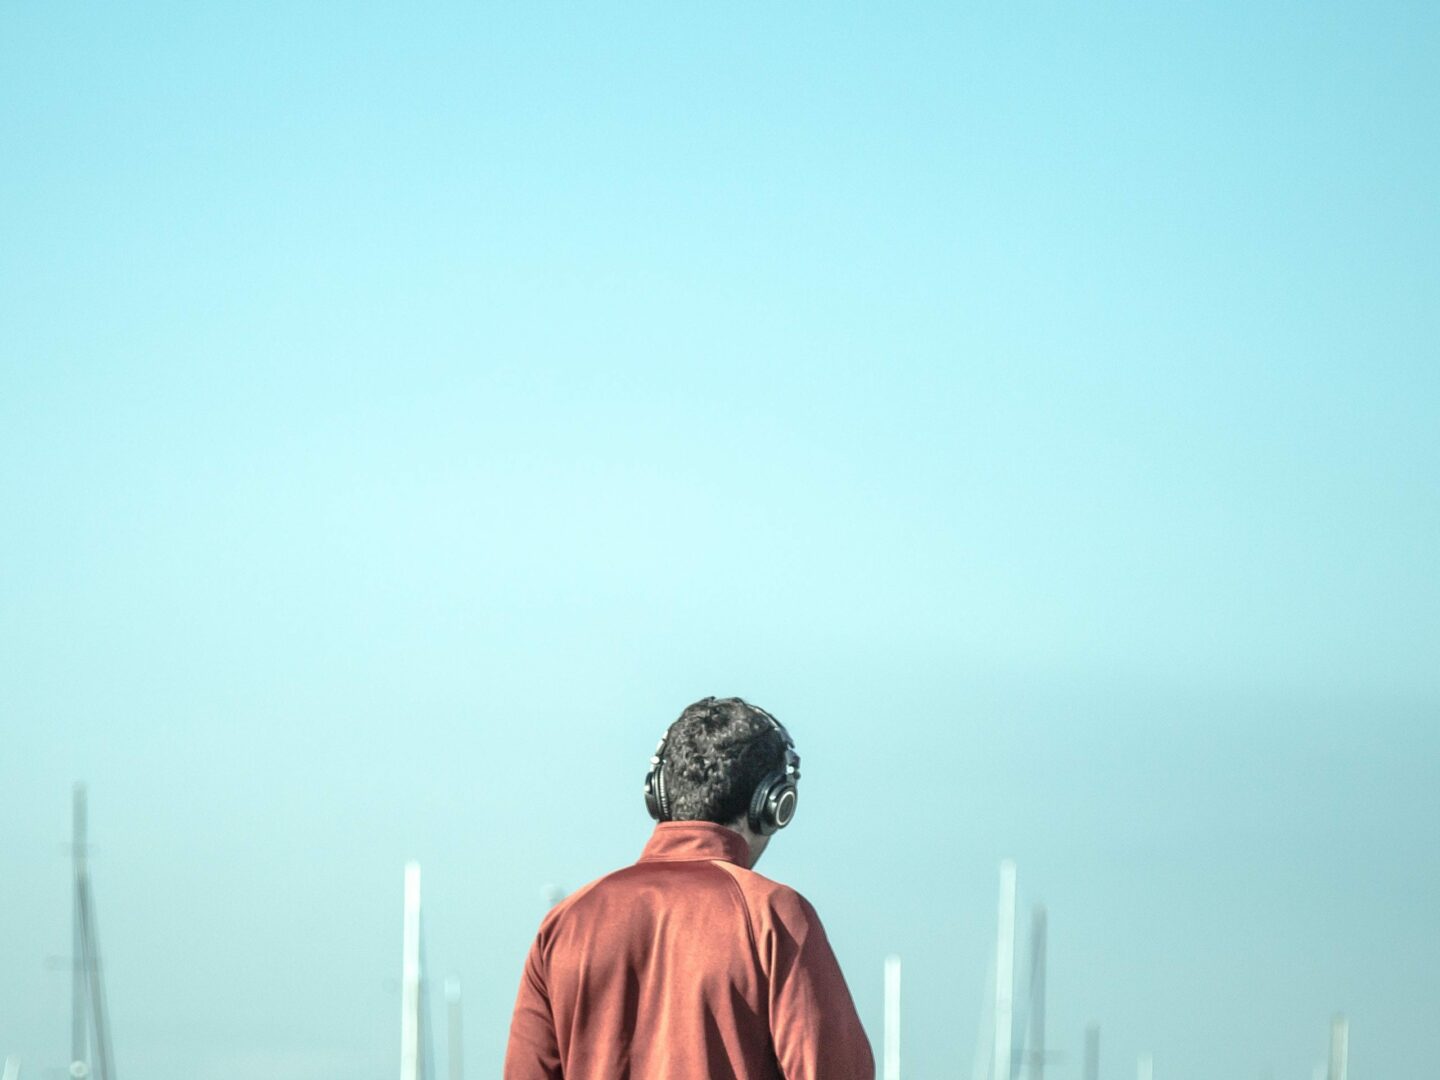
pixel 533 1052
pixel 813 1022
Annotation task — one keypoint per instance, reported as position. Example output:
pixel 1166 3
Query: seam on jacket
pixel 749 925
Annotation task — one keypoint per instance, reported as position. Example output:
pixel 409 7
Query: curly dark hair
pixel 716 754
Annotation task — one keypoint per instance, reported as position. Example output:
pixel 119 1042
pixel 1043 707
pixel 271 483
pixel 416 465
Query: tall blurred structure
pixel 1005 976
pixel 413 1065
pixel 1092 1052
pixel 891 1048
pixel 1145 1068
pixel 89 1016
pixel 1037 993
pixel 12 1068
pixel 1339 1048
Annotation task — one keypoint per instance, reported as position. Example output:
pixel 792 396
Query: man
pixel 689 965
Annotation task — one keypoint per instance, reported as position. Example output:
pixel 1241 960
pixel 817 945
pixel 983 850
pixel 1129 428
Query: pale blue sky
pixel 404 413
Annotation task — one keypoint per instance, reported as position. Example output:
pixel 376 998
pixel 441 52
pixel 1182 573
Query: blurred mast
pixel 1339 1048
pixel 89 1014
pixel 1092 1052
pixel 1037 994
pixel 12 1068
pixel 1005 975
pixel 411 1065
pixel 79 1021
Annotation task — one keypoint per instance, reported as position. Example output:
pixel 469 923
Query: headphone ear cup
pixel 783 802
pixel 663 795
pixel 657 799
pixel 773 805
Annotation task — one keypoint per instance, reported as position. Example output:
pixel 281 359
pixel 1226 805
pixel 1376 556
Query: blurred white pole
pixel 12 1068
pixel 1339 1048
pixel 892 1018
pixel 1005 975
pixel 1145 1070
pixel 1037 994
pixel 87 973
pixel 79 979
pixel 410 978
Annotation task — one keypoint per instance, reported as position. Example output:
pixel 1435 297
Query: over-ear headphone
pixel 772 807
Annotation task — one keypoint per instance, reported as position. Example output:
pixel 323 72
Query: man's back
pixel 686 964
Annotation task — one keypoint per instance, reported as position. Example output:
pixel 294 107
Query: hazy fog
pixel 406 411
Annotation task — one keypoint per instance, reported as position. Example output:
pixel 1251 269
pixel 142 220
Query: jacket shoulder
pixel 771 901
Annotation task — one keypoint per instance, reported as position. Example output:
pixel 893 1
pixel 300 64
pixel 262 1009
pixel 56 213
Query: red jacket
pixel 685 966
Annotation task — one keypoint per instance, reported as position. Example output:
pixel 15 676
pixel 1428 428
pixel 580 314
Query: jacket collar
pixel 676 841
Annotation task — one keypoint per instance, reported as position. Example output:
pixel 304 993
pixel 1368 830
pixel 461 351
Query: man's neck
pixel 753 840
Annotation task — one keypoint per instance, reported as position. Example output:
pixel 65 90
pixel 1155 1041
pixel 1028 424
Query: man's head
pixel 716 756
